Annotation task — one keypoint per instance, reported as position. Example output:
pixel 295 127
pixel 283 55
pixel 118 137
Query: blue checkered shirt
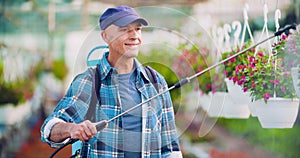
pixel 159 136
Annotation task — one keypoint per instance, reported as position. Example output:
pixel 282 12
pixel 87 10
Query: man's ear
pixel 104 37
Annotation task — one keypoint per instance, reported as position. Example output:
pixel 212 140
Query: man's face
pixel 125 41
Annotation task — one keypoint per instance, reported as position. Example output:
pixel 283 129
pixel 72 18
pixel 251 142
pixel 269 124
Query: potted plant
pixel 270 85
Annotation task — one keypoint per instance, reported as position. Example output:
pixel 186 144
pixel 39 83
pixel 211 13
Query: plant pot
pixel 277 112
pixel 220 104
pixel 295 72
pixel 240 98
pixel 252 109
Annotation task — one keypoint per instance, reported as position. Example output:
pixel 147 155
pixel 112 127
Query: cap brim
pixel 124 21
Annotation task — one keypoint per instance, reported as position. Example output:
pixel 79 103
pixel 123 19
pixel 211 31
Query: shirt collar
pixel 106 67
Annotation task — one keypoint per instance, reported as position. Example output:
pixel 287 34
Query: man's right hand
pixel 82 131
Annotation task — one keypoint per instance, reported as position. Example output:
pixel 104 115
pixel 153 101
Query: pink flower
pixel 287 74
pixel 261 54
pixel 240 82
pixel 237 72
pixel 226 73
pixel 283 36
pixel 234 79
pixel 251 59
pixel 243 77
pixel 208 86
pixel 266 96
pixel 252 65
pixel 233 60
pixel 245 89
pixel 253 85
pixel 251 74
pixel 283 88
pixel 240 67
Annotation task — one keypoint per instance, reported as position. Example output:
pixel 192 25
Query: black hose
pixel 71 141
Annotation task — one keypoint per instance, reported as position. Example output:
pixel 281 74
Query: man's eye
pixel 123 29
pixel 138 28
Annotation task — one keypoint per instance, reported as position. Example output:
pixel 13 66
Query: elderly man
pixel 148 131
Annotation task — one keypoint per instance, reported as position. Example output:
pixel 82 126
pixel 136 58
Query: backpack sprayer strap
pixel 90 115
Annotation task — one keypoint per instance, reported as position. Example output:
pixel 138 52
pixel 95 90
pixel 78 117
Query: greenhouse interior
pixel 234 64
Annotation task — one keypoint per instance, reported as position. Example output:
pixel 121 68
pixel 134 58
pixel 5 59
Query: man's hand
pixel 81 131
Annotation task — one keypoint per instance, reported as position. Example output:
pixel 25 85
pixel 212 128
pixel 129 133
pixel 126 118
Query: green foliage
pixel 7 95
pixel 18 91
pixel 59 69
pixel 282 142
pixel 12 92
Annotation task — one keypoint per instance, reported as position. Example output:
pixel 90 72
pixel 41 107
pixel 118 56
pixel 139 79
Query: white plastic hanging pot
pixel 277 112
pixel 240 98
pixel 222 105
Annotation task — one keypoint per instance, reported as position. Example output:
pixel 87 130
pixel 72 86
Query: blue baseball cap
pixel 120 16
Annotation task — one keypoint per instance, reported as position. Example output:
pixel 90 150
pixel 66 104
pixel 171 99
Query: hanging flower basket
pixel 277 112
pixel 267 76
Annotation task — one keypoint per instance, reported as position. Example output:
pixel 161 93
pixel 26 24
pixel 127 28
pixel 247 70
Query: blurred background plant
pixel 292 48
pixel 193 60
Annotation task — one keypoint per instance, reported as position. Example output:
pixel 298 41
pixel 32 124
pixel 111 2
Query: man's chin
pixel 132 53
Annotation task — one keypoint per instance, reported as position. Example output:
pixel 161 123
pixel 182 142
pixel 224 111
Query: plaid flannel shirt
pixel 159 134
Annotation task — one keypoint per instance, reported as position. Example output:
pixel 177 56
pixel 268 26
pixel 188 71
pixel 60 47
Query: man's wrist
pixel 50 125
